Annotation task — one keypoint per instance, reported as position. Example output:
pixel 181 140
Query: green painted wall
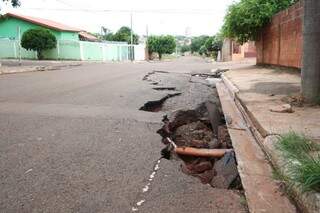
pixel 8 29
pixel 71 50
pixel 10 49
pixel 92 51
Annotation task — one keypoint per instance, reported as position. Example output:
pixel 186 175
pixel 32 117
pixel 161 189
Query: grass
pixel 303 164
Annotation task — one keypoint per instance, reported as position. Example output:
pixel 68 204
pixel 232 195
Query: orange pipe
pixel 215 153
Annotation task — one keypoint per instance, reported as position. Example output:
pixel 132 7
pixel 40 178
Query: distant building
pixel 233 51
pixel 10 22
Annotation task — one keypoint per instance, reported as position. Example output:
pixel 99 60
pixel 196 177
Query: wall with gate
pixel 75 50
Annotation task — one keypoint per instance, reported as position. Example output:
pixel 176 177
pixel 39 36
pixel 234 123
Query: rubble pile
pixel 202 128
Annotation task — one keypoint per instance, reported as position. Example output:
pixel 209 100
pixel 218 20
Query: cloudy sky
pixel 194 17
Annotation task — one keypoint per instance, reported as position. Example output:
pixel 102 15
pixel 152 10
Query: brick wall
pixel 280 42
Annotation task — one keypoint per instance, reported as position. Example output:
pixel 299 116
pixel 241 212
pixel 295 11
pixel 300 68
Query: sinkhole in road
pixel 156 106
pixel 203 145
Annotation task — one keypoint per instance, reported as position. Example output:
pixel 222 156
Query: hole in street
pixel 164 88
pixel 197 132
pixel 156 106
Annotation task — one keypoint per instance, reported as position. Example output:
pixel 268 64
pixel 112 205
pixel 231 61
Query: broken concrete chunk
pixel 285 108
pixel 223 137
pixel 205 177
pixel 198 166
pixel 226 170
pixel 214 115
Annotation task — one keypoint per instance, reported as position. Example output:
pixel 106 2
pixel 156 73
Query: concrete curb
pixel 308 202
pixel 9 70
pixel 263 193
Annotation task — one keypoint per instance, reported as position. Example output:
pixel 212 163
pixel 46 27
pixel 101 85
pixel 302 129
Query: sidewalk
pixel 9 66
pixel 263 89
pixel 257 91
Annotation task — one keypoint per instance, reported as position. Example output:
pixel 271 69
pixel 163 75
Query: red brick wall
pixel 280 42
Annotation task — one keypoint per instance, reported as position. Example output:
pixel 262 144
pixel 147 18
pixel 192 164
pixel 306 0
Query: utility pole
pixel 131 38
pixel 311 51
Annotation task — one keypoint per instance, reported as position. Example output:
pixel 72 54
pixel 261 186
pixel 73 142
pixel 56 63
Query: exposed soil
pixel 194 119
pixel 193 128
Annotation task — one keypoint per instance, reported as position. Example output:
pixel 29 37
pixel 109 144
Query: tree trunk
pixel 311 51
pixel 40 55
pixel 160 56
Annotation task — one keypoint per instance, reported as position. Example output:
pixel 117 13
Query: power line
pixel 163 11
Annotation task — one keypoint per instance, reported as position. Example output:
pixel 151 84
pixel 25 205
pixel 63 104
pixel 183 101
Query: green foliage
pixel 293 145
pixel 185 48
pixel 161 45
pixel 14 3
pixel 123 34
pixel 198 42
pixel 209 45
pixel 303 164
pixel 38 40
pixel 203 50
pixel 245 18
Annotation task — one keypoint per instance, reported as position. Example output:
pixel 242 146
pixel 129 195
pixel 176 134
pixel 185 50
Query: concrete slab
pixel 262 192
pixel 260 89
pixel 254 91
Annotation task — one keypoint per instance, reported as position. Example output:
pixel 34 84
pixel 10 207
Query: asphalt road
pixel 74 140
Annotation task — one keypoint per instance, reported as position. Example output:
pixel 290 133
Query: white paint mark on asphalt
pixel 147 186
pixel 145 189
pixel 152 175
pixel 156 167
pixel 29 170
pixel 140 202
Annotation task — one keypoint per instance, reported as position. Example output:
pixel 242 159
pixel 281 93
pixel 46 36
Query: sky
pixel 176 17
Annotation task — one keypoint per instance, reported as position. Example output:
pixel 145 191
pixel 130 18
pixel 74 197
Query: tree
pixel 244 19
pixel 185 48
pixel 123 34
pixel 161 45
pixel 311 52
pixel 203 50
pixel 14 3
pixel 108 37
pixel 209 45
pixel 38 40
pixel 198 42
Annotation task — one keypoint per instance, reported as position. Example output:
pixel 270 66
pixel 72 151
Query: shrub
pixel 38 40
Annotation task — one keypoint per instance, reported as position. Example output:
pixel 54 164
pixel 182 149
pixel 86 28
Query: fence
pixel 76 50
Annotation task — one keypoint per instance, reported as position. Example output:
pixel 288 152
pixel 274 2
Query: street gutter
pixel 309 201
pixel 261 190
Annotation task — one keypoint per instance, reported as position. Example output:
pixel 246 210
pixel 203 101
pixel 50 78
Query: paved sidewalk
pixel 256 91
pixel 261 89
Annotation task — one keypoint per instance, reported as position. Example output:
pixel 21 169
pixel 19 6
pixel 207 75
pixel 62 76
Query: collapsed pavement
pixel 193 128
pixel 194 120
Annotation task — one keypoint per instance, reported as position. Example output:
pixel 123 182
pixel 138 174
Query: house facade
pixel 10 22
pixel 233 51
pixel 72 43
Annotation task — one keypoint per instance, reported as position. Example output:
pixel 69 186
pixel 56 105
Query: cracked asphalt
pixel 73 140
